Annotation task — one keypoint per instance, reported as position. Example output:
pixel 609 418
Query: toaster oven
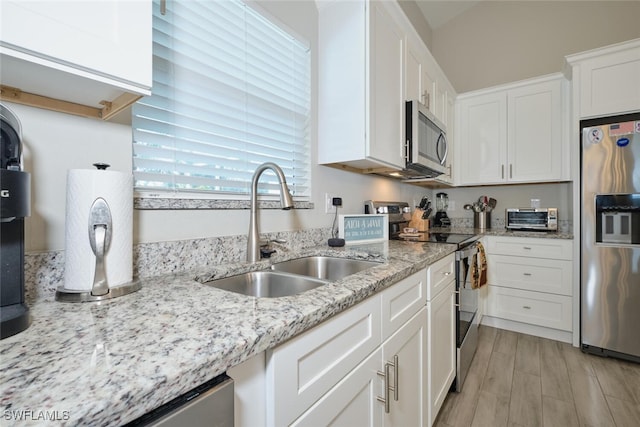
pixel 531 219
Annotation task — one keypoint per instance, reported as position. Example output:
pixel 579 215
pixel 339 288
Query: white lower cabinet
pixel 405 357
pixel 442 332
pixel 365 366
pixel 352 402
pixel 530 285
pixel 364 395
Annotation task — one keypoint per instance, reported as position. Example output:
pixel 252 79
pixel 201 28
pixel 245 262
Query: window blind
pixel 231 91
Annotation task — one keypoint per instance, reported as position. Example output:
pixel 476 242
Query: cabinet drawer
pixel 401 301
pixel 536 308
pixel 530 247
pixel 310 364
pixel 532 274
pixel 439 274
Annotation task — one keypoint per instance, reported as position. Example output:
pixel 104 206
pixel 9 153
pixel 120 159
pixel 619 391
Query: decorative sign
pixel 364 228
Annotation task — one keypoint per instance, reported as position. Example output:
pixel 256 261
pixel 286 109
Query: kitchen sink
pixel 323 267
pixel 269 284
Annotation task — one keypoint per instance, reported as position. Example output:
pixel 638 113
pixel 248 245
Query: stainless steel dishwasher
pixel 208 405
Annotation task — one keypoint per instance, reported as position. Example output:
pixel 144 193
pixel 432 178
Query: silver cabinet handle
pixel 388 388
pixel 510 170
pixel 526 307
pixel 396 366
pixel 502 171
pixel 385 378
pixel 447 273
pixel 527 274
pixel 526 248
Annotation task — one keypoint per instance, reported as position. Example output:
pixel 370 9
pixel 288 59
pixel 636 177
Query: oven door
pixel 467 298
pixel 466 310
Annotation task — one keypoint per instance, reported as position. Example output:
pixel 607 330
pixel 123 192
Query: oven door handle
pixel 466 252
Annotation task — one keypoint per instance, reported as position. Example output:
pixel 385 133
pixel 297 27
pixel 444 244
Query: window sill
pixel 152 203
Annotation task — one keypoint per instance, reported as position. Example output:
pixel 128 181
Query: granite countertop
pixel 108 363
pixel 504 232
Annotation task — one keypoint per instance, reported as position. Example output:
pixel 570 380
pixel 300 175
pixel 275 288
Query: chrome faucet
pixel 286 202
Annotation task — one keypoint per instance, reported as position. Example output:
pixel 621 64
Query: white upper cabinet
pixel 512 134
pixel 361 88
pixel 482 142
pixel 606 81
pixel 425 82
pixel 420 78
pixel 78 52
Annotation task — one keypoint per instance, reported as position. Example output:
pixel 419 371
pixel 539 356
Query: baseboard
pixel 525 328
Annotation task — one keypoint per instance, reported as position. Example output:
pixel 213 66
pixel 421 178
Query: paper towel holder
pixel 99 227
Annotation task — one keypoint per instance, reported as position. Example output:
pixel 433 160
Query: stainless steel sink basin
pixel 323 267
pixel 269 284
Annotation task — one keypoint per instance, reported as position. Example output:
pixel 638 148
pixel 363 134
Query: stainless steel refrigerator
pixel 610 231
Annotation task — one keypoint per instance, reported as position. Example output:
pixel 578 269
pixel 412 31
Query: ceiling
pixel 438 12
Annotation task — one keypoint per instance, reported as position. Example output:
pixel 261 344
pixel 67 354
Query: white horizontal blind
pixel 230 91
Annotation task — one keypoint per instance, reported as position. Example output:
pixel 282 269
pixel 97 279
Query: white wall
pixel 553 195
pixel 498 42
pixel 56 142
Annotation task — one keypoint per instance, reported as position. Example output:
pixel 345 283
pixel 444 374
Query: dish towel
pixel 479 268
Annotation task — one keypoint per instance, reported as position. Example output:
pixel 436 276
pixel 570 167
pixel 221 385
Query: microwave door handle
pixel 442 139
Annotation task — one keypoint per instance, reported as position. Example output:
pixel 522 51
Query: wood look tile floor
pixel 520 380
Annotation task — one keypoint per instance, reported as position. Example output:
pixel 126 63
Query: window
pixel 231 91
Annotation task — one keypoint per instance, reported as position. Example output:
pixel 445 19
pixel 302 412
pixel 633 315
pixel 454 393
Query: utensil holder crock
pixel 481 220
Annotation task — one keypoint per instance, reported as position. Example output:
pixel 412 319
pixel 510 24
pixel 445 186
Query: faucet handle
pixel 267 241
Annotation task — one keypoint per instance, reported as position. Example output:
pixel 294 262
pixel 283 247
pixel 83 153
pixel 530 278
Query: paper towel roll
pixel 84 186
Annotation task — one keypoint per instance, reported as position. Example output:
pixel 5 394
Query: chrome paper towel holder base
pixel 100 226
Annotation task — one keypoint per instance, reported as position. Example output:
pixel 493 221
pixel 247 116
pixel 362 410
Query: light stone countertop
pixel 108 363
pixel 505 233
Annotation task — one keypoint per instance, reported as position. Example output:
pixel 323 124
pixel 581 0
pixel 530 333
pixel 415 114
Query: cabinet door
pixel 483 136
pixel 304 368
pixel 412 73
pixel 442 348
pixel 610 83
pixel 106 38
pixel 386 122
pixel 407 406
pixel 440 107
pixel 352 402
pixel 535 132
pixel 428 85
pixel 451 139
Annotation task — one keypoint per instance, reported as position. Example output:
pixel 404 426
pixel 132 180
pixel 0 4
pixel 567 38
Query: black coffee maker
pixel 14 207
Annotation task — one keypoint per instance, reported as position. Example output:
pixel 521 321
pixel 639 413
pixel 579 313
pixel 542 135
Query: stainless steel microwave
pixel 426 142
pixel 532 219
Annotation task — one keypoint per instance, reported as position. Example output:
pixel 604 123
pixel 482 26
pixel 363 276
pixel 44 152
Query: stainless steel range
pixel 466 296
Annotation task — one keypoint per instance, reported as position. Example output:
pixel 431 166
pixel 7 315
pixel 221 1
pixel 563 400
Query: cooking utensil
pixel 423 202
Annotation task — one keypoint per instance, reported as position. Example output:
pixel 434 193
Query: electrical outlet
pixel 328 203
pixel 452 205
